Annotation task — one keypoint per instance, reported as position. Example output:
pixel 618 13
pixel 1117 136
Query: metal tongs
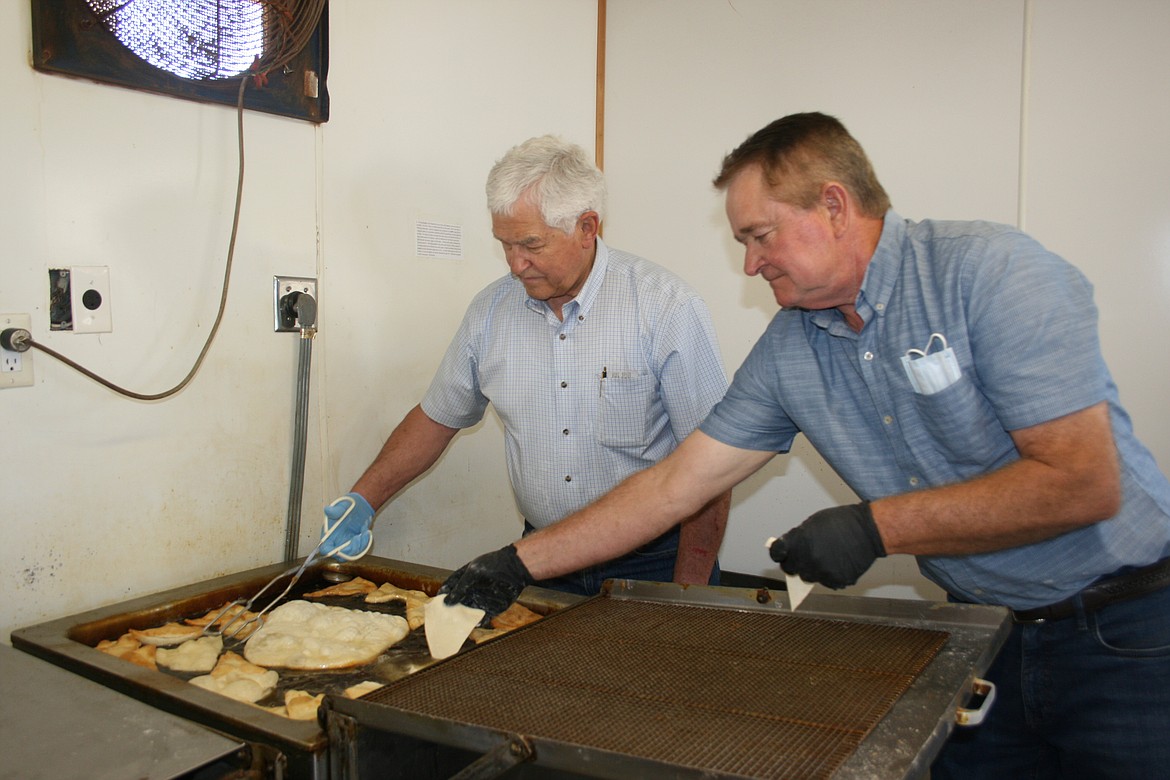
pixel 239 612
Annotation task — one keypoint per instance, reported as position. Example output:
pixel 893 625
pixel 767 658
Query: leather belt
pixel 1139 582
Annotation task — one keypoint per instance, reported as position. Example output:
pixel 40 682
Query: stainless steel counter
pixel 57 725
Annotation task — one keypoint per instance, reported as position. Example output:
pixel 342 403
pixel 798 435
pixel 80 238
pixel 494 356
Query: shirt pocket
pixel 962 427
pixel 623 416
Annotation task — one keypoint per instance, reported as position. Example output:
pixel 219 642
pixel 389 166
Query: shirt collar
pixel 881 275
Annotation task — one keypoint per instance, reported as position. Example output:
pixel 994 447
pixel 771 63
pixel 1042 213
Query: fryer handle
pixel 973 717
pixel 498 760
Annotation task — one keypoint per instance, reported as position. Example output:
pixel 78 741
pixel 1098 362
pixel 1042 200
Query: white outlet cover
pixel 89 292
pixel 10 362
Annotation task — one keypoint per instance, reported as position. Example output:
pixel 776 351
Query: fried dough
pixel 514 617
pixel 235 677
pixel 166 634
pixel 194 655
pixel 416 602
pixel 358 586
pixel 307 635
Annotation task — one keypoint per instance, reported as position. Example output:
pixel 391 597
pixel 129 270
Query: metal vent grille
pixel 737 694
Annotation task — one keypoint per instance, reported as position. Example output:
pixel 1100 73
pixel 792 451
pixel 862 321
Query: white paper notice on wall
pixel 435 239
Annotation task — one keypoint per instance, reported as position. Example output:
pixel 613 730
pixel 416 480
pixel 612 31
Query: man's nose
pixel 752 261
pixel 517 260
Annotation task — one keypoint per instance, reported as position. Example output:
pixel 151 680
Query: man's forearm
pixel 641 508
pixel 700 537
pixel 1067 477
pixel 411 449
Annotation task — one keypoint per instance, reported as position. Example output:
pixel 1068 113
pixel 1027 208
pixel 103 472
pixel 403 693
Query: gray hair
pixel 553 175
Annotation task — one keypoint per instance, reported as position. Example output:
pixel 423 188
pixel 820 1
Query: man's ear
pixel 589 224
pixel 835 199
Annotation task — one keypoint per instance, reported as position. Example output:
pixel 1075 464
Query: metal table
pixel 56 725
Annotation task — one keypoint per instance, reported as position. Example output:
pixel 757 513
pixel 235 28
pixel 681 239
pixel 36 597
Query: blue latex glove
pixel 346 533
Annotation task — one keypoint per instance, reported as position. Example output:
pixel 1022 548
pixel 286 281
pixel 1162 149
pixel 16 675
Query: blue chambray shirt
pixel 571 435
pixel 1023 326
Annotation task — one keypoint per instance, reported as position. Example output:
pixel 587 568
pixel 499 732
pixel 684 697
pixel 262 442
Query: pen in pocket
pixel 601 382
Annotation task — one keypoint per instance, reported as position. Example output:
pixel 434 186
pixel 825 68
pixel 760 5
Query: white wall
pixel 105 498
pixel 108 498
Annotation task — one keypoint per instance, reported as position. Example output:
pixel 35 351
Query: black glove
pixel 490 582
pixel 833 547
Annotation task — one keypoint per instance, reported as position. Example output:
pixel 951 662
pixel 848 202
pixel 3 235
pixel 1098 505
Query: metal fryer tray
pixel 646 681
pixel 69 643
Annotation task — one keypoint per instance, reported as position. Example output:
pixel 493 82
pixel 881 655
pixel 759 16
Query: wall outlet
pixel 89 289
pixel 15 367
pixel 284 292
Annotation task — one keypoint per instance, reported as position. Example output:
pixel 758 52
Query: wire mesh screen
pixel 210 39
pixel 723 693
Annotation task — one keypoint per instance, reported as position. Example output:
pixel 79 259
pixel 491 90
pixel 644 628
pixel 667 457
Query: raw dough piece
pixel 449 625
pixel 305 635
pixel 194 655
pixel 358 586
pixel 166 635
pixel 359 690
pixel 797 590
pixel 236 678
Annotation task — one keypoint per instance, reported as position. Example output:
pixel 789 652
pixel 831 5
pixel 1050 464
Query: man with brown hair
pixel 951 373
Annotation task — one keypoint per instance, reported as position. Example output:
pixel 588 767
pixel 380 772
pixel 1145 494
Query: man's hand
pixel 347 528
pixel 491 582
pixel 833 547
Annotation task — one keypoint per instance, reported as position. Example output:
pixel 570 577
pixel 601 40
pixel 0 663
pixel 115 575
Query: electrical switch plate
pixel 15 367
pixel 282 287
pixel 89 287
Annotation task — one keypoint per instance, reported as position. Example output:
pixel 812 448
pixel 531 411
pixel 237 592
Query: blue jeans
pixel 653 561
pixel 1084 697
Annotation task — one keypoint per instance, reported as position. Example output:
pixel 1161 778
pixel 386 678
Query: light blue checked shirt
pixel 630 372
pixel 1023 326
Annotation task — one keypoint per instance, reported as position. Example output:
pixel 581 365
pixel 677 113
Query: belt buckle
pixel 1023 621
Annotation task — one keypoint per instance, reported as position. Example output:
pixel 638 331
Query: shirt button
pixel 887 419
pixel 562 337
pixel 564 384
pixel 869 356
pixel 913 481
pixel 565 431
pixel 568 478
pixel 580 318
pixel 880 307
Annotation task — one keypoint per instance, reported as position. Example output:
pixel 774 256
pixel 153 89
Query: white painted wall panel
pixel 1097 178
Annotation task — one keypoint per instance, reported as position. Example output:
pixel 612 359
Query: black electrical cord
pixel 27 340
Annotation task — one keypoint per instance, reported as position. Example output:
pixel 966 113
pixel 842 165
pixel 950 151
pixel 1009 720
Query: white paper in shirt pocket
pixel 929 372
